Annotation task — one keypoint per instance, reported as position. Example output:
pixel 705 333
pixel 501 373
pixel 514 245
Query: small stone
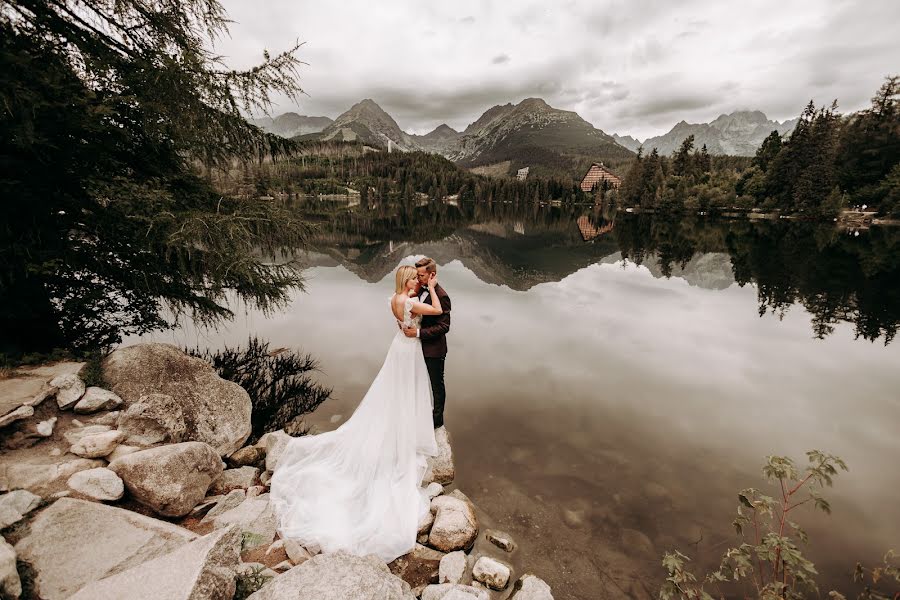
pixel 233 499
pixel 111 418
pixel 55 452
pixel 74 435
pixel 98 484
pixel 500 539
pixel 283 566
pixel 336 418
pixel 265 478
pixel 70 387
pixel 434 490
pixel 77 423
pixel 255 490
pixel 231 479
pixel 296 552
pixel 45 428
pixel 62 494
pixel 491 572
pixel 275 547
pixel 248 456
pixel 96 399
pixel 97 445
pixel 453 567
pixel 455 591
pixel 531 587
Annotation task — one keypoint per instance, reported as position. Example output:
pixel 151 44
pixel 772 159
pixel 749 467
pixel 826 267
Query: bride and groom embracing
pixel 359 488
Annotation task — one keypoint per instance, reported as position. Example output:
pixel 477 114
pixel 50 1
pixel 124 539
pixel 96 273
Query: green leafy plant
pixel 249 581
pixel 769 557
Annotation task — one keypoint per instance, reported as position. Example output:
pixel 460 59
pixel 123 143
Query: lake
pixel 614 381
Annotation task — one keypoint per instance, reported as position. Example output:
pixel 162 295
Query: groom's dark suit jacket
pixel 434 328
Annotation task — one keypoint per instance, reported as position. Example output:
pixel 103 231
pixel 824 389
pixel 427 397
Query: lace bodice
pixel 409 319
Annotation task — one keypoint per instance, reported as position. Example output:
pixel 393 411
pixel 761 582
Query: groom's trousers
pixel 436 374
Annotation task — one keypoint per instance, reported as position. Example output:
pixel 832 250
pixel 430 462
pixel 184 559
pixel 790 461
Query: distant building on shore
pixel 596 175
pixel 522 174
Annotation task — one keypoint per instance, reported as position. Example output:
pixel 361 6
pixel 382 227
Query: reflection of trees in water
pixel 836 277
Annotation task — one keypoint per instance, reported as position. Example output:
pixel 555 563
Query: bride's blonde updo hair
pixel 404 274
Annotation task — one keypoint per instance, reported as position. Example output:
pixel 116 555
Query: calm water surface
pixel 602 412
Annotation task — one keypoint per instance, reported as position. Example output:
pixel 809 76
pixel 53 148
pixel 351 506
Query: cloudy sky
pixel 632 67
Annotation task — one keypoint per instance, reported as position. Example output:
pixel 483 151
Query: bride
pixel 358 488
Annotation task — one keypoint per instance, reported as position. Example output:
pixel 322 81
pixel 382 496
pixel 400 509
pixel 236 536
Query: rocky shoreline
pixel 147 490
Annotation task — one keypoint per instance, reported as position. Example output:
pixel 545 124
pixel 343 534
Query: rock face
pixel 154 419
pixel 200 570
pixel 75 542
pixel 215 411
pixel 10 585
pixel 455 524
pixel 97 484
pixel 96 399
pixel 440 467
pixel 254 517
pixel 170 479
pixel 531 587
pixel 337 575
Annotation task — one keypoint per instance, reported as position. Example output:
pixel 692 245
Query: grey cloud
pixel 500 59
pixel 667 104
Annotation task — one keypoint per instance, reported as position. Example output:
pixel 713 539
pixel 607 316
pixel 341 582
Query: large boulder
pixel 154 419
pixel 455 524
pixel 75 542
pixel 215 411
pixel 200 570
pixel 170 479
pixel 337 575
pixel 441 468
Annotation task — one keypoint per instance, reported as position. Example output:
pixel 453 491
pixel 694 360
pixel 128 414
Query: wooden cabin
pixel 596 175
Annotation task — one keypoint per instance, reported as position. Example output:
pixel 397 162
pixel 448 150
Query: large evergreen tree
pixel 107 108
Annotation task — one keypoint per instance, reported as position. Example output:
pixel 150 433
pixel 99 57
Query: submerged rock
pixel 531 587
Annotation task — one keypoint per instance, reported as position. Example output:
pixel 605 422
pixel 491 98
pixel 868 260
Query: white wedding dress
pixel 358 488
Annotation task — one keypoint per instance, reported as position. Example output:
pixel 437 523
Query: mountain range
pixel 737 134
pixel 530 133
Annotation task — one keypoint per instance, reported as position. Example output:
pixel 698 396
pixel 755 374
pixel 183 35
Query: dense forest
pixel 828 163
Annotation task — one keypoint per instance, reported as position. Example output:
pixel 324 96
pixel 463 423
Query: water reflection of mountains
pixel 837 277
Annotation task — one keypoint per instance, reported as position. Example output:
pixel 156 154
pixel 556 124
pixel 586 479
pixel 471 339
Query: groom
pixel 433 334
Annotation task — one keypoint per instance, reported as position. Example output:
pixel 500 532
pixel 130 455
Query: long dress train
pixel 358 488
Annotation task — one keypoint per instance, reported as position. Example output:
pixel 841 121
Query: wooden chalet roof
pixel 596 174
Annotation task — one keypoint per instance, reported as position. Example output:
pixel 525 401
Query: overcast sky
pixel 633 67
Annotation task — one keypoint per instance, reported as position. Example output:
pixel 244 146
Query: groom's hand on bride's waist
pixel 410 331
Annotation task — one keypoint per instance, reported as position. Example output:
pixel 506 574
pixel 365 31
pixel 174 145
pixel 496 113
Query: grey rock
pixel 23 412
pixel 441 468
pixel 96 399
pixel 154 419
pixel 41 478
pixel 491 572
pixel 296 552
pixel 170 479
pixel 434 489
pixel 15 505
pixel 215 411
pixel 97 445
pixel 97 484
pixel 200 570
pixel 531 587
pixel 74 435
pixel 455 524
pixel 110 418
pixel 255 518
pixel 231 500
pixel 337 575
pixel 10 584
pixel 75 542
pixel 69 390
pixel 454 591
pixel 45 428
pixel 122 450
pixel 500 539
pixel 274 442
pixel 248 456
pixel 231 479
pixel 453 567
